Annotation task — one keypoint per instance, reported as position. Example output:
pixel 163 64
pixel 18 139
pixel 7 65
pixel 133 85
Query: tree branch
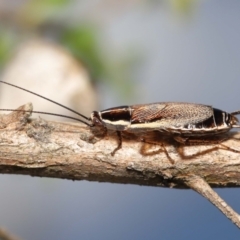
pixel 4 235
pixel 65 150
pixel 201 186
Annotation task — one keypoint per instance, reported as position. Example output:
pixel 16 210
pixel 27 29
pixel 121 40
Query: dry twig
pixel 4 235
pixel 66 150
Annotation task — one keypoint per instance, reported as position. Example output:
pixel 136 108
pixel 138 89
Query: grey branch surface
pixel 67 150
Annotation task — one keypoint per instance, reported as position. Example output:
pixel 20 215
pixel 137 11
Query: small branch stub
pixel 20 116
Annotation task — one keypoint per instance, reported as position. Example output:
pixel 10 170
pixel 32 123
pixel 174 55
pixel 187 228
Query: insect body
pixel 179 121
pixel 186 119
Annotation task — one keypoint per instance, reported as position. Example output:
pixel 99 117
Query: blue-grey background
pixel 193 57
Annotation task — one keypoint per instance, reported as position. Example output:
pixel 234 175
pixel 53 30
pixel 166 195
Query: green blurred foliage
pixel 37 12
pixel 183 6
pixel 35 18
pixel 39 17
pixel 82 42
pixel 7 43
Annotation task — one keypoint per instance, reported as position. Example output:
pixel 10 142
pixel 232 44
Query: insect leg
pixel 145 149
pixel 119 146
pixel 98 133
pixel 228 148
pixel 208 141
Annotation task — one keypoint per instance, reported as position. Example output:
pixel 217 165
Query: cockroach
pixel 179 121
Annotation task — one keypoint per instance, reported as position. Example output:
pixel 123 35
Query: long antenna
pixel 235 113
pixel 69 109
pixel 47 113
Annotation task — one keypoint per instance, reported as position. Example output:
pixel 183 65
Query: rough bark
pixel 72 151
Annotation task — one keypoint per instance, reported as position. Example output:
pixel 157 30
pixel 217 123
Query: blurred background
pixel 96 54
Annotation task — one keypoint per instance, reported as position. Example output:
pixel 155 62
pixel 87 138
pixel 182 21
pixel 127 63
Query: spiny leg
pixel 191 142
pixel 101 135
pixel 119 146
pixel 224 147
pixel 180 151
pixel 104 134
pixel 162 148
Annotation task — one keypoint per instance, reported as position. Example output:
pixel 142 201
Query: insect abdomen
pixel 218 119
pixel 168 118
pixel 218 123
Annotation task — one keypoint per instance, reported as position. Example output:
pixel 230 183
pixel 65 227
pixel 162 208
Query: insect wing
pixel 167 115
